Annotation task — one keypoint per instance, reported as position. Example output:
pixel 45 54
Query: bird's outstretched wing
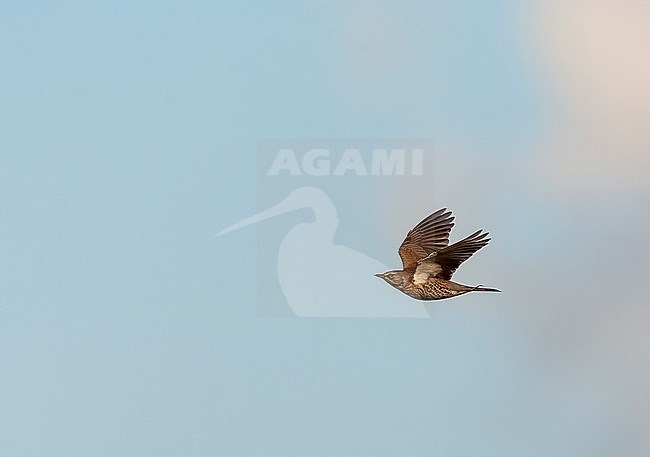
pixel 429 236
pixel 444 262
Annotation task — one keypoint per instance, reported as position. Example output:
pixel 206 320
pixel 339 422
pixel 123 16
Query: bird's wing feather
pixel 424 270
pixel 429 236
pixel 444 262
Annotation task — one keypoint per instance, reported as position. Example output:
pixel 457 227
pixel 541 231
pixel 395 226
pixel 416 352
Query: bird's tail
pixel 480 288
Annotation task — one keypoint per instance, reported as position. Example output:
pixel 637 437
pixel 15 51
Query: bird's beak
pixel 380 275
pixel 283 207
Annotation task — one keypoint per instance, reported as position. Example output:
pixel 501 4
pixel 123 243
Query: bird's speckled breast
pixel 433 289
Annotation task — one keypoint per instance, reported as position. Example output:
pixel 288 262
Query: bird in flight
pixel 429 262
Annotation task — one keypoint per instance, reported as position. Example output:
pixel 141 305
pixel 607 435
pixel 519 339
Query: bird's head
pixel 394 277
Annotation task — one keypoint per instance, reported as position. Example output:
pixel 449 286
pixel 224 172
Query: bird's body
pixel 433 288
pixel 429 262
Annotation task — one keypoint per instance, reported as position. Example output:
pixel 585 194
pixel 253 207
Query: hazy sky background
pixel 128 138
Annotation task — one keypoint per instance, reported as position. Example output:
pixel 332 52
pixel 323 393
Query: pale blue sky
pixel 128 136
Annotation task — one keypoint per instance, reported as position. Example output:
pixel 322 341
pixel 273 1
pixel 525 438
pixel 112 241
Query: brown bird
pixel 429 262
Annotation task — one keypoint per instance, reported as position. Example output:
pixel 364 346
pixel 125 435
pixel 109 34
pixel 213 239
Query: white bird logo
pixel 322 279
